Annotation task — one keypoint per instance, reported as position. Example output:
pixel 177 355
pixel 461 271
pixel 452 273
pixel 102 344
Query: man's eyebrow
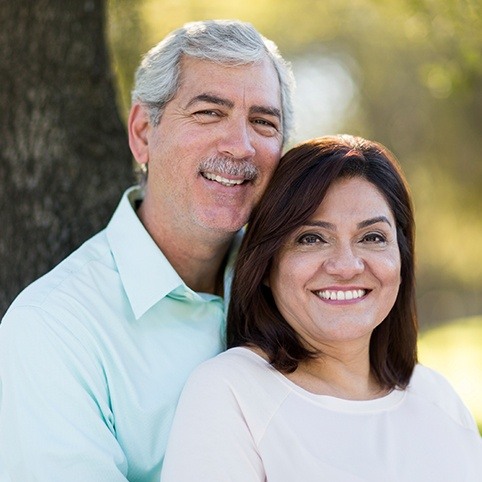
pixel 360 225
pixel 266 110
pixel 214 99
pixel 211 99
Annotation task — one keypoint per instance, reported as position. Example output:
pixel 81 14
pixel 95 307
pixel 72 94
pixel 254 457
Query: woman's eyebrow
pixel 321 224
pixel 360 225
pixel 375 220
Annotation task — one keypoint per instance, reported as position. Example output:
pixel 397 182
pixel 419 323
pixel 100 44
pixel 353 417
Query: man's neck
pixel 201 269
pixel 199 257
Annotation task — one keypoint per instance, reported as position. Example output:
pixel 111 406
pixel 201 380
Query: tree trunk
pixel 64 158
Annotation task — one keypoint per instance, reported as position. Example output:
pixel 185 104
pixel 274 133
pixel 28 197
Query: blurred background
pixel 407 73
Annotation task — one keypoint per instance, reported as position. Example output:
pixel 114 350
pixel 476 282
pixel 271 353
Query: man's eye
pixel 310 239
pixel 209 113
pixel 264 122
pixel 265 127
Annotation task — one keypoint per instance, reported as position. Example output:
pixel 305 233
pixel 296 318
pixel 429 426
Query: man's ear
pixel 138 129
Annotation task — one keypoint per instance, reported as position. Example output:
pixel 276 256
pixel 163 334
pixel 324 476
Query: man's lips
pixel 222 180
pixel 228 172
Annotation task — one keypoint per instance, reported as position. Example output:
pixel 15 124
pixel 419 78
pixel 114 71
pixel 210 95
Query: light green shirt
pixel 93 357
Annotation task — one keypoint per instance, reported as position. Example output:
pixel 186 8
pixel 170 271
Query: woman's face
pixel 337 277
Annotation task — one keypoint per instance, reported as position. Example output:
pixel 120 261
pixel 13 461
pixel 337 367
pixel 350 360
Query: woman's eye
pixel 375 238
pixel 310 239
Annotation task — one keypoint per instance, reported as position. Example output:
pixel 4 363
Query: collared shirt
pixel 93 357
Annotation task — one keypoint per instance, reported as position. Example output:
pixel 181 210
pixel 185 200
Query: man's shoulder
pixel 76 275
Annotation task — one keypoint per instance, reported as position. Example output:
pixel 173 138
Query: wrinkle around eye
pixel 209 112
pixel 207 116
pixel 266 130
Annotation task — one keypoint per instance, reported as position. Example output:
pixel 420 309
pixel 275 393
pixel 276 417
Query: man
pixel 93 355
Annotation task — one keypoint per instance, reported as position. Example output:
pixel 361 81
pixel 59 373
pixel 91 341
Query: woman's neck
pixel 347 378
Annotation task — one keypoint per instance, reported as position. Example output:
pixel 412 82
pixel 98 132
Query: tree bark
pixel 64 157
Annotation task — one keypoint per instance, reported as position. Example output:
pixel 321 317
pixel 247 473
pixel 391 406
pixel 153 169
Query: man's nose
pixel 236 141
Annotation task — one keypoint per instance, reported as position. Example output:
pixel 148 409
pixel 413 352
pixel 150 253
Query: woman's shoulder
pixel 235 383
pixel 435 389
pixel 430 382
pixel 240 372
pixel 240 355
pixel 237 365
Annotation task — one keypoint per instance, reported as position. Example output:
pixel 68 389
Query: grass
pixel 455 350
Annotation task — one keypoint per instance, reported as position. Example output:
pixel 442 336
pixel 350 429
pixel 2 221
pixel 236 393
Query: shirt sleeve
pixel 211 440
pixel 55 421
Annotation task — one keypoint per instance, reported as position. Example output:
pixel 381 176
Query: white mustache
pixel 233 167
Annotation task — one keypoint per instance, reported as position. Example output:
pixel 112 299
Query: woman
pixel 321 382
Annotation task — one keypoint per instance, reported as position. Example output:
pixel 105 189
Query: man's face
pixel 217 145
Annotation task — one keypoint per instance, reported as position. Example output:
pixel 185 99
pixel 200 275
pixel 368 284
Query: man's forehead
pixel 190 67
pixel 207 81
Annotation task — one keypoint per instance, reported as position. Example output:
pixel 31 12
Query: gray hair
pixel 223 41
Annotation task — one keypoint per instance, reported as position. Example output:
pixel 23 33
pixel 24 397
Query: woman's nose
pixel 344 263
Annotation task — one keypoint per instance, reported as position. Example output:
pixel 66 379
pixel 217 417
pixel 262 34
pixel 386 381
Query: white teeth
pixel 341 295
pixel 222 180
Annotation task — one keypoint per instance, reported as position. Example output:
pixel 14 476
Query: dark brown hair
pixel 299 185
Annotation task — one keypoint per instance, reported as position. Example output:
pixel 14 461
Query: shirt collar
pixel 229 270
pixel 146 274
